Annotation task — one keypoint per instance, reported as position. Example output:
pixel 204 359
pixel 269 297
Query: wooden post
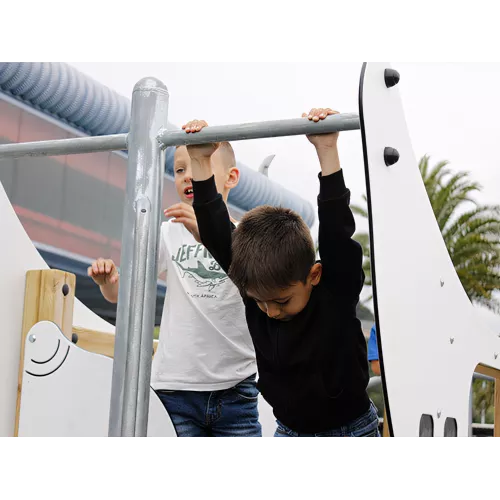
pixel 49 296
pixel 385 428
pixel 496 430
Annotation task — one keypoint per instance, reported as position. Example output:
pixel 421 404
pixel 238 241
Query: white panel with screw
pixel 66 390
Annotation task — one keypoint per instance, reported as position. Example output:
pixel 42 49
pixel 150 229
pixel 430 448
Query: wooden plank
pixel 94 341
pixel 488 371
pixel 385 428
pixel 67 313
pixel 30 315
pixel 99 342
pixel 44 300
pixel 496 430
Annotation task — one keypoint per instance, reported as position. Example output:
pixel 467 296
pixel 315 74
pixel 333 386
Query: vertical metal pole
pixel 138 270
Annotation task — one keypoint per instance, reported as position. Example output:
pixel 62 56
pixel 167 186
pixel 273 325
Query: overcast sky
pixel 451 110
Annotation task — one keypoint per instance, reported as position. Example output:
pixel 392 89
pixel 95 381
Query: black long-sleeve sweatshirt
pixel 313 369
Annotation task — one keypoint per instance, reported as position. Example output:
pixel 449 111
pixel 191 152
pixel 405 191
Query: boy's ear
pixel 315 273
pixel 233 178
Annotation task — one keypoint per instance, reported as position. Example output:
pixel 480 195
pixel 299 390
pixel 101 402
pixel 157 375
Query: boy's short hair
pixel 226 153
pixel 272 248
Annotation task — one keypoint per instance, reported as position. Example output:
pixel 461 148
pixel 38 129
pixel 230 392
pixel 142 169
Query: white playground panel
pixel 425 319
pixel 17 256
pixel 66 392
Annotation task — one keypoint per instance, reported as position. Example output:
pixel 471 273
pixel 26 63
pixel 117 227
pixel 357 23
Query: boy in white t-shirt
pixel 204 367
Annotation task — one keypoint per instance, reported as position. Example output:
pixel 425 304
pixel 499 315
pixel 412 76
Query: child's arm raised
pixel 214 224
pixel 341 256
pixel 200 154
pixel 325 144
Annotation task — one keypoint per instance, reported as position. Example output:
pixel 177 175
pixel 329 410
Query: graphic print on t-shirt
pixel 196 263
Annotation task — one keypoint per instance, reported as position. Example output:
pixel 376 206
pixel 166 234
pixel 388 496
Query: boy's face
pixel 285 303
pixel 184 178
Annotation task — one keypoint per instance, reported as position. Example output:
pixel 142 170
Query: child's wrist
pixel 202 168
pixel 329 160
pixel 327 150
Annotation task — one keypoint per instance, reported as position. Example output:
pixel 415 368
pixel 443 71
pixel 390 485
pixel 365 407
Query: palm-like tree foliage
pixel 470 231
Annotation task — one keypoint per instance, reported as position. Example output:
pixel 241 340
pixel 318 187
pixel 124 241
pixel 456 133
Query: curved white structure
pixel 424 317
pixel 66 390
pixel 17 256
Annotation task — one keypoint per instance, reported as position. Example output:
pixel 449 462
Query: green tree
pixel 470 231
pixel 483 394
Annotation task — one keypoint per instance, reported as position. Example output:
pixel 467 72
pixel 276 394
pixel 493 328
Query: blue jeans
pixel 364 426
pixel 230 412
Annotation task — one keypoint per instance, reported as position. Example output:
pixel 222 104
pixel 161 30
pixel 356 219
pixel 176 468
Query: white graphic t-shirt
pixel 204 343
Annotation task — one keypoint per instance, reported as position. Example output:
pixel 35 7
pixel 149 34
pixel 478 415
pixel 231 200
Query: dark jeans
pixel 230 412
pixel 364 426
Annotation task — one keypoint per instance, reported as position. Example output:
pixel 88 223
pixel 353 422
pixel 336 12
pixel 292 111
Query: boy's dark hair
pixel 272 248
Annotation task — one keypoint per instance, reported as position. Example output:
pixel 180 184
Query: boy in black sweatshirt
pixel 311 352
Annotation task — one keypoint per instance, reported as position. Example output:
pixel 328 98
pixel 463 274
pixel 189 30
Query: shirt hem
pixel 177 386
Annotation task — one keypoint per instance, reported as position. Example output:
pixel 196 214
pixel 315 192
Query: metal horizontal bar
pixel 483 426
pixel 261 130
pixel 74 146
pixel 480 376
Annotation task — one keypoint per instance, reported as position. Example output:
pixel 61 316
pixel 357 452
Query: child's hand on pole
pixel 325 144
pixel 321 141
pixel 200 150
